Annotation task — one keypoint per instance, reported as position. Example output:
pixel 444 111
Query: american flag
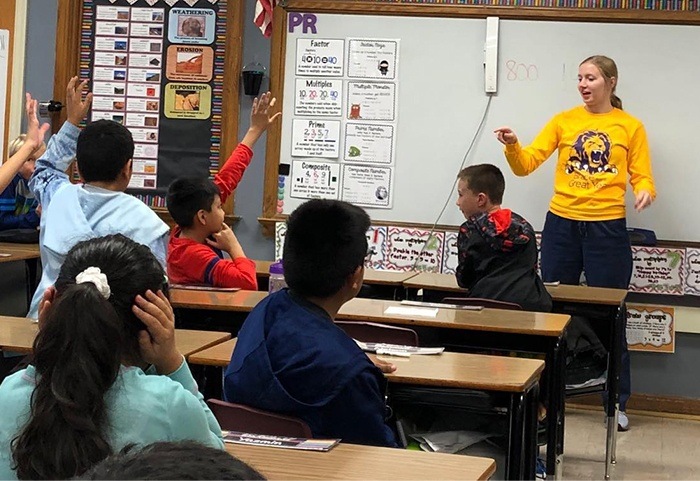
pixel 263 15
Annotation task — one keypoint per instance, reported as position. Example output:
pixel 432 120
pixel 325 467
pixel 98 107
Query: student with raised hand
pixel 290 357
pixel 197 243
pixel 88 391
pixel 599 146
pixel 23 154
pixel 97 207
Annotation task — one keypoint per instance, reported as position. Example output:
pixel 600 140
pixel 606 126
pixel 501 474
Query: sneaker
pixel 623 423
pixel 540 469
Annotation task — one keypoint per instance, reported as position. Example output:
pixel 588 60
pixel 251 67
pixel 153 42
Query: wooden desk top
pixel 355 462
pixel 390 278
pixel 236 301
pixel 17 335
pixel 491 320
pixel 373 310
pixel 449 369
pixel 262 268
pixel 372 276
pixel 562 292
pixel 218 355
pixel 18 252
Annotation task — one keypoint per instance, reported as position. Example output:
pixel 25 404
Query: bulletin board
pixel 167 70
pixel 398 94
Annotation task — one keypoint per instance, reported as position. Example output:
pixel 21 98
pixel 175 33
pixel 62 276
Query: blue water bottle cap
pixel 277 268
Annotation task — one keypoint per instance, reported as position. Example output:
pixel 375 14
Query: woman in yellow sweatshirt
pixel 598 146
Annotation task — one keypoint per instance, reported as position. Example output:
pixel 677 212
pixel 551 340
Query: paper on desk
pixel 411 311
pixel 396 349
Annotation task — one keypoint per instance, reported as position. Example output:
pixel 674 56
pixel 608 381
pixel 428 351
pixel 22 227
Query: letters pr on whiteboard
pixel 315 180
pixel 367 185
pixel 315 138
pixel 320 57
pixel 369 143
pixel 319 97
pixel 376 59
pixel 371 101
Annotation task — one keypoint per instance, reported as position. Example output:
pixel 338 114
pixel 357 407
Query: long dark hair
pixel 77 357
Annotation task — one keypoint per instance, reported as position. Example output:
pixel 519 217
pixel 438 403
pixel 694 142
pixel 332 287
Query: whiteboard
pixel 4 83
pixel 440 101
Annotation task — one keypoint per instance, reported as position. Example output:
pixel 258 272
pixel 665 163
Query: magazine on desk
pixel 192 287
pixel 304 444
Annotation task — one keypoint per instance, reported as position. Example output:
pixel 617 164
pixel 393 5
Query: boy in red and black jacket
pixel 496 247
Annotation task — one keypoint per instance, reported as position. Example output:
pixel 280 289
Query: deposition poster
pixel 152 66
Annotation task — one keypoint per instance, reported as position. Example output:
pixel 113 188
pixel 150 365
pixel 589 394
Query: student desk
pixel 602 304
pixel 382 284
pixel 488 328
pixel 515 377
pixel 360 463
pixel 29 253
pixel 17 335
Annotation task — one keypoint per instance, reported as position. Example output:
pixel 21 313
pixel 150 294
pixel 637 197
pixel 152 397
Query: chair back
pixel 373 332
pixel 245 419
pixel 478 301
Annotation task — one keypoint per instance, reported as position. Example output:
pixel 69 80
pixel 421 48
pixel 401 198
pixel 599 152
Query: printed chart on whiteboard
pixel 343 121
pixel 151 65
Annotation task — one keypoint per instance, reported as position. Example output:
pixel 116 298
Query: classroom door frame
pixel 14 93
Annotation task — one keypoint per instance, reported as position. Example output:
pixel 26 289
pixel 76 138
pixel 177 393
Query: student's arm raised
pixel 35 137
pixel 49 174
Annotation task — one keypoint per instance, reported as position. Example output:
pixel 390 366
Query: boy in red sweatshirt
pixel 197 243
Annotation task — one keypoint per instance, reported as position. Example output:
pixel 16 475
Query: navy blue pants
pixel 600 249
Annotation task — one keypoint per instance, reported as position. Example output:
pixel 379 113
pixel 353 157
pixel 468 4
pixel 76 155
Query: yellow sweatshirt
pixel 596 152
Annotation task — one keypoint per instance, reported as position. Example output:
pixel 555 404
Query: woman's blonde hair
pixel 608 68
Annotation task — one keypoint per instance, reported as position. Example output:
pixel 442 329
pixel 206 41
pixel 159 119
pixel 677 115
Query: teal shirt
pixel 143 408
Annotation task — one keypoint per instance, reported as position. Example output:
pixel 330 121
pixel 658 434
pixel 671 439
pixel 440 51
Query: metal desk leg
pixel 530 443
pixel 516 431
pixel 612 406
pixel 555 410
pixel 31 266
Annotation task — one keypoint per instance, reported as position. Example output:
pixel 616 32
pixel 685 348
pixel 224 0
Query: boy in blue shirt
pixel 18 207
pixel 98 207
pixel 290 357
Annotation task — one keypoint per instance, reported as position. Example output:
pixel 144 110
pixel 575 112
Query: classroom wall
pixel 659 374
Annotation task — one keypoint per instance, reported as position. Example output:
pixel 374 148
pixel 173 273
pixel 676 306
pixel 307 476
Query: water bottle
pixel 277 281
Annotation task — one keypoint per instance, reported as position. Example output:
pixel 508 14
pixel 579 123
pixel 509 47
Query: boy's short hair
pixel 172 460
pixel 325 243
pixel 486 178
pixel 17 144
pixel 104 148
pixel 188 195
